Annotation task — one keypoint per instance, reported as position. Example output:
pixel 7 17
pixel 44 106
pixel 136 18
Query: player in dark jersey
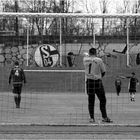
pixel 17 77
pixel 132 85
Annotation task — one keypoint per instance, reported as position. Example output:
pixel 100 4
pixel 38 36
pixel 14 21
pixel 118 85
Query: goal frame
pixel 63 15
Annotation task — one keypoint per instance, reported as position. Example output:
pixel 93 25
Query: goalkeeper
pixel 94 71
pixel 17 77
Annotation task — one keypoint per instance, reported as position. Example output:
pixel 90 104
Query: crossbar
pixel 76 15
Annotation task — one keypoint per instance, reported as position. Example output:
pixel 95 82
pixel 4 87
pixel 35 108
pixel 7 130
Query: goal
pixel 50 47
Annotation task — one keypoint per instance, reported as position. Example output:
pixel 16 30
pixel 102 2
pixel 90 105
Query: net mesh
pixel 55 89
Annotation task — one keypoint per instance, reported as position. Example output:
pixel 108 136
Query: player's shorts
pixel 132 90
pixel 17 88
pixel 94 86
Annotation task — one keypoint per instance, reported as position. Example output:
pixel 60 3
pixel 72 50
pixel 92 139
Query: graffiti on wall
pixel 46 56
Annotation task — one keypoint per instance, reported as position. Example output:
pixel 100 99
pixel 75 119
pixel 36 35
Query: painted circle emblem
pixel 46 56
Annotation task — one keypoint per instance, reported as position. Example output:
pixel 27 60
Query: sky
pixel 95 5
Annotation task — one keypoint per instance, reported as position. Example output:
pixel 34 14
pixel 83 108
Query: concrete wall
pixel 10 53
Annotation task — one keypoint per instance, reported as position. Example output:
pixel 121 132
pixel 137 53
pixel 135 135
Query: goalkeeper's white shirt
pixel 94 67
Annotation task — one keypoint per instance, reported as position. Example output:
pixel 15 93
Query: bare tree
pixel 16 22
pixel 134 27
pixel 129 7
pixel 9 23
pixel 51 26
pixel 104 4
pixel 88 6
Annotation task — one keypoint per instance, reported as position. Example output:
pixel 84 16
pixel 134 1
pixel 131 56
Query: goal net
pixel 50 47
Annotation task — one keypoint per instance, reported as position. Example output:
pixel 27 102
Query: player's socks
pixel 19 100
pixel 16 100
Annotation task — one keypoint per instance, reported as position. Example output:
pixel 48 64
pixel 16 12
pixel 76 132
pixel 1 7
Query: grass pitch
pixel 66 109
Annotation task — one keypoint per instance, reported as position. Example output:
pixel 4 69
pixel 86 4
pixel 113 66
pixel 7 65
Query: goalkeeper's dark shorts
pixel 17 88
pixel 95 87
